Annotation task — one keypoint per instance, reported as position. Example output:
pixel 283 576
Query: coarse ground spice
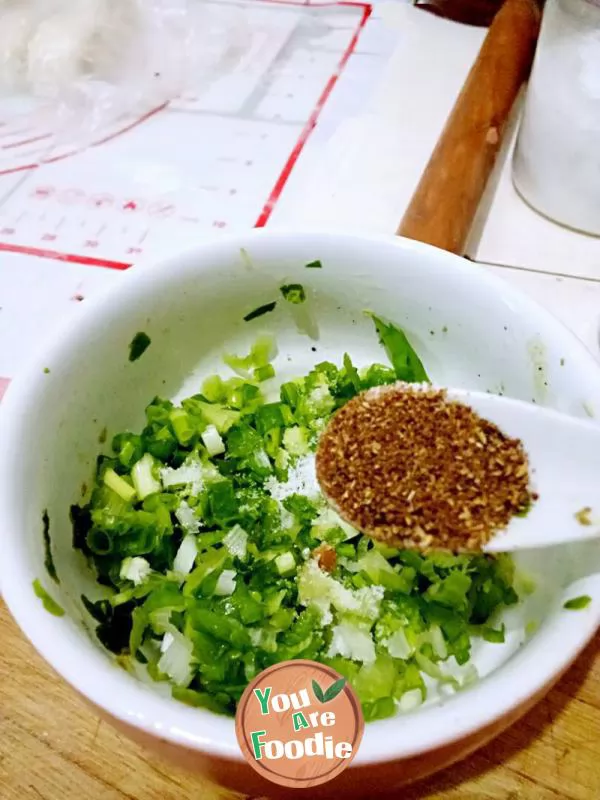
pixel 414 469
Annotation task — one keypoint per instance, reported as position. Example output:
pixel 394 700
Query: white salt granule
pixel 187 518
pixel 190 473
pixel 236 542
pixel 302 479
pixel 135 569
pixel 352 641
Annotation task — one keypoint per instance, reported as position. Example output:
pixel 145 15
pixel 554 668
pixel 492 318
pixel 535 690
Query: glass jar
pixel 556 165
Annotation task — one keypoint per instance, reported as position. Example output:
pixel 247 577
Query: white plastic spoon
pixel 564 466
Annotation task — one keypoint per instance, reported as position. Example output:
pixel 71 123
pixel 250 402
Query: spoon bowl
pixel 393 467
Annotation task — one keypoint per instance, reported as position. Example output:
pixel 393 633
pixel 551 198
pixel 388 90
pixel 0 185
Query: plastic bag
pixel 90 62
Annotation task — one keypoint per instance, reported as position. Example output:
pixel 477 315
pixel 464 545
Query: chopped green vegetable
pixel 406 362
pixel 46 370
pixel 260 356
pixel 211 439
pixel 138 345
pixel 577 603
pixel 286 564
pixel 206 528
pixel 142 475
pixel 314 265
pixel 264 373
pixel 293 293
pixel 260 311
pixel 524 511
pixel 583 516
pixel 128 448
pixel 215 414
pixel 48 559
pixel 49 604
pixel 531 627
pixel 296 440
pixel 182 426
pixel 119 485
pixel 492 634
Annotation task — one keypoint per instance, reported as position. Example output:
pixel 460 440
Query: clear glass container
pixel 556 165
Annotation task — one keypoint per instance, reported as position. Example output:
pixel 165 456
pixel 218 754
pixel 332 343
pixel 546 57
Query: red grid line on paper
pixel 309 4
pixel 24 142
pixel 313 119
pixel 280 183
pixel 74 152
pixel 86 261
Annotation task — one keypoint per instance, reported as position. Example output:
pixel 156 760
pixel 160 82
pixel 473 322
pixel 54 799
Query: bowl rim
pixel 91 673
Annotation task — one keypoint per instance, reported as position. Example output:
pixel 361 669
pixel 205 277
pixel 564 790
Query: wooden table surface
pixel 52 746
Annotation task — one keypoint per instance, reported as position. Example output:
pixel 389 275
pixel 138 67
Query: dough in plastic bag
pixel 98 59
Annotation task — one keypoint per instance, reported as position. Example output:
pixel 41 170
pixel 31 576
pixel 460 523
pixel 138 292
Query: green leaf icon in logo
pixel 329 694
pixel 334 690
pixel 318 692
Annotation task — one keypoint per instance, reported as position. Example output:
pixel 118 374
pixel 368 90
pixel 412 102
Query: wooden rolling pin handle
pixel 444 204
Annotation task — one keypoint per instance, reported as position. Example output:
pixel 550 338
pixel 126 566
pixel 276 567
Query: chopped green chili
pixel 138 345
pixel 258 312
pixel 293 293
pixel 577 603
pixel 49 604
pixel 48 559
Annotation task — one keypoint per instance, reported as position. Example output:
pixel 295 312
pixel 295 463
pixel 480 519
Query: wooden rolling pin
pixel 443 206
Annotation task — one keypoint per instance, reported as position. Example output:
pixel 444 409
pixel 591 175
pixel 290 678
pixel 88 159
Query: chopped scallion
pixel 49 604
pixel 260 311
pixel 293 293
pixel 578 603
pixel 143 477
pixel 138 345
pixel 119 485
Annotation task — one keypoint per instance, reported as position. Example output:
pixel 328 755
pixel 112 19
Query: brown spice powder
pixel 412 468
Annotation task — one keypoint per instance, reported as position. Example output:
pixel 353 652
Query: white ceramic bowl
pixel 470 329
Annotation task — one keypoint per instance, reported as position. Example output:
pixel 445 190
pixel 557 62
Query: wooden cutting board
pixel 53 747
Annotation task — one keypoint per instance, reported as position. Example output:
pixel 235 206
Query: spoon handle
pixel 564 461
